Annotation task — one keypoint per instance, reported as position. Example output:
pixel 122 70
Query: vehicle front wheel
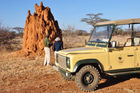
pixel 87 78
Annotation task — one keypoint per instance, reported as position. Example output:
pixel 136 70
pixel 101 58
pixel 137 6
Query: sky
pixel 13 13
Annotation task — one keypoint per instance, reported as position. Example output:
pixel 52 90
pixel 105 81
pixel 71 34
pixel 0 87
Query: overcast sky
pixel 68 12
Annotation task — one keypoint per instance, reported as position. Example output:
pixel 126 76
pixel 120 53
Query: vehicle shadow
pixel 115 80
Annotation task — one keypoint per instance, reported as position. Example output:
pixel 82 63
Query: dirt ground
pixel 26 75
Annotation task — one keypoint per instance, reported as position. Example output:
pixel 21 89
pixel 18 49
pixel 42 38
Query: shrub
pixel 5 37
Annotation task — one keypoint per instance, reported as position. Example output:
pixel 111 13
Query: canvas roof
pixel 119 22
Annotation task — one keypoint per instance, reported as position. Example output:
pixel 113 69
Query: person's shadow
pixel 115 80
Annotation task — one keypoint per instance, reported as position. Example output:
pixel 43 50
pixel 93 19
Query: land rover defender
pixel 113 49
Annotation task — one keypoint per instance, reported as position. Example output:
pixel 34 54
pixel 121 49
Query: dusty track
pixel 20 75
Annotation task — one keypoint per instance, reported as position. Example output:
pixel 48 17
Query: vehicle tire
pixel 87 78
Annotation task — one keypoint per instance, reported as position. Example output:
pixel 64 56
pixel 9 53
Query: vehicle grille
pixel 62 61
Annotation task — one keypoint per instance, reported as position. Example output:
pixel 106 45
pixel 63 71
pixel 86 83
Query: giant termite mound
pixel 36 28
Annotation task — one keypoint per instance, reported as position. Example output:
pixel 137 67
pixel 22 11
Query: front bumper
pixel 62 71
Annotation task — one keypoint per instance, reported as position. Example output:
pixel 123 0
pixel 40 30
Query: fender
pixel 87 61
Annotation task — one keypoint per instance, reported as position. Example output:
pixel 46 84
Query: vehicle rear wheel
pixel 87 78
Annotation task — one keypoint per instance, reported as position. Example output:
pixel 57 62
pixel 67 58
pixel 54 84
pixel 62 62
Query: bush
pixel 81 33
pixel 75 33
pixel 5 37
pixel 74 38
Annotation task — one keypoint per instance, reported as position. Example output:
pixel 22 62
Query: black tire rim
pixel 88 78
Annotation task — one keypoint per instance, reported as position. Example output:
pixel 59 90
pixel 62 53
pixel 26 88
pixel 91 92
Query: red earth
pixel 28 75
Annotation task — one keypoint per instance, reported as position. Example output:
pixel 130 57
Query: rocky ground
pixel 28 75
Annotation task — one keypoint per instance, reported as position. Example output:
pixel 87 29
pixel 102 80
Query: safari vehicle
pixel 113 49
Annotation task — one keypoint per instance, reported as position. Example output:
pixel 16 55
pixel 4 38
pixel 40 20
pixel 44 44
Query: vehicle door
pixel 137 58
pixel 121 54
pixel 137 44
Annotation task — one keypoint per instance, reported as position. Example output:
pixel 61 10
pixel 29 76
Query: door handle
pixel 130 55
pixel 120 58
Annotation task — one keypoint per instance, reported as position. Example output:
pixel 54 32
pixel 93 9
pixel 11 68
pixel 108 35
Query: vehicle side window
pixel 137 34
pixel 121 36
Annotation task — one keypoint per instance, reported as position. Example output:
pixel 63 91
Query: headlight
pixel 68 62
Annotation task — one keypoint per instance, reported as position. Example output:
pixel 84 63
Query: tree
pixel 93 19
pixel 20 30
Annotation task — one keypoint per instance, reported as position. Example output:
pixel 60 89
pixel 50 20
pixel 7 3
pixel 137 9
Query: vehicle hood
pixel 82 50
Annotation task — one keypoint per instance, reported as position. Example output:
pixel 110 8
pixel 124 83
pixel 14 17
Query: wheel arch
pixel 93 62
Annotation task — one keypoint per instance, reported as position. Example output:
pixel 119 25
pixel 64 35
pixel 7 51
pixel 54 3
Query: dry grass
pixel 12 45
pixel 68 42
pixel 74 41
pixel 121 39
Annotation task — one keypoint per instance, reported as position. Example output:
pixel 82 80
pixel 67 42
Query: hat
pixel 57 39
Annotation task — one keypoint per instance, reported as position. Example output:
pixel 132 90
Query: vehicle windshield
pixel 101 34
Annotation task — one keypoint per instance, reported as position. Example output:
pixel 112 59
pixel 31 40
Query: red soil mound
pixel 36 28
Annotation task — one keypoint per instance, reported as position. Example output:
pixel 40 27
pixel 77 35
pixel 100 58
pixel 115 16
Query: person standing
pixel 57 45
pixel 47 50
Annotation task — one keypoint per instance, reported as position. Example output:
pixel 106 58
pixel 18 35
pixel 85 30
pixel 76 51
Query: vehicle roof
pixel 119 22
